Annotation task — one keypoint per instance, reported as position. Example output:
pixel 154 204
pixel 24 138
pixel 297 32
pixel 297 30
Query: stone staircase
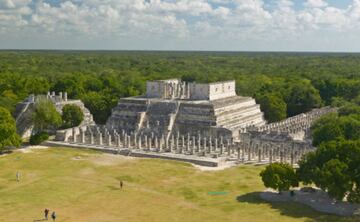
pixel 238 112
pixel 160 117
pixel 127 115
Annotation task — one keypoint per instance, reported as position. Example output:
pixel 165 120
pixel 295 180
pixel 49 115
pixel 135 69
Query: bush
pixel 72 116
pixel 279 176
pixel 39 138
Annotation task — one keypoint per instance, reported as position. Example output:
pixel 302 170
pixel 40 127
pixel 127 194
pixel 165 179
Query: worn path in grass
pixel 83 185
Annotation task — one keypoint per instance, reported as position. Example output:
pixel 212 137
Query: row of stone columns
pixel 296 123
pixel 245 151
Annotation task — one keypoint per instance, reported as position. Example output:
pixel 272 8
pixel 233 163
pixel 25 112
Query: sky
pixel 209 25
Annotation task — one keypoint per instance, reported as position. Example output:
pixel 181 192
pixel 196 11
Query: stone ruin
pixel 207 124
pixel 24 110
pixel 172 106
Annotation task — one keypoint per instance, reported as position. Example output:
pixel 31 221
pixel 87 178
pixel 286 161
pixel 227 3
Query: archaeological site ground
pixel 179 136
pixel 83 186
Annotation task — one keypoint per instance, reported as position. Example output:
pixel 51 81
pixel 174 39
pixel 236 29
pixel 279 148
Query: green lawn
pixel 154 190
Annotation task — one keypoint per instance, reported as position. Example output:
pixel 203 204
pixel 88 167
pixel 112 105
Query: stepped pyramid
pixel 25 109
pixel 171 106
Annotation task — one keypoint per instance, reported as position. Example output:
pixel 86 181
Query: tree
pixel 8 136
pixel 279 176
pixel 324 131
pixel 333 167
pixel 334 127
pixel 302 98
pixel 72 116
pixel 45 115
pixel 273 107
pixel 98 106
pixel 333 178
pixel 349 109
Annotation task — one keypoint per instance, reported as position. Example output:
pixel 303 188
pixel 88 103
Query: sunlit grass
pixel 82 185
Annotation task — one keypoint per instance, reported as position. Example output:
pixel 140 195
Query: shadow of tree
pixel 295 210
pixel 113 188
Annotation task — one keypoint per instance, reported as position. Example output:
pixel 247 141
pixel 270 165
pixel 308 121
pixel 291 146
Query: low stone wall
pixel 202 161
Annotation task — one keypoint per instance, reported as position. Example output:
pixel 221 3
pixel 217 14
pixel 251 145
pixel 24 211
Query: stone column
pixel 126 145
pixel 182 141
pixel 135 140
pixel 156 142
pixel 199 144
pixel 100 139
pixel 149 144
pixel 259 155
pixel 146 141
pixel 65 97
pixel 82 136
pixel 243 148
pixel 172 143
pixel 109 140
pixel 91 138
pixel 177 144
pixel 118 140
pixel 204 145
pixel 188 143
pixel 216 145
pixel 271 156
pixel 74 135
pixel 228 147
pixel 140 143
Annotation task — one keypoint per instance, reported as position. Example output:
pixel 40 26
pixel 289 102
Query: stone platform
pixel 202 161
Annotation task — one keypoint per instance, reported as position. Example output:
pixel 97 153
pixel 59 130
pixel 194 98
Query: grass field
pixel 83 185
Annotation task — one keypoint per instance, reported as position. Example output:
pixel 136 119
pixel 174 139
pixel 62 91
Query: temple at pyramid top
pixel 177 89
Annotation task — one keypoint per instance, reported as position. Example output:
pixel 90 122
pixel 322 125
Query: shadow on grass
pixel 6 152
pixel 114 188
pixel 295 210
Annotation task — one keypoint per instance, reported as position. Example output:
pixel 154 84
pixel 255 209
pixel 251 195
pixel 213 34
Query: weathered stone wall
pixel 24 110
pixel 212 91
pixel 177 89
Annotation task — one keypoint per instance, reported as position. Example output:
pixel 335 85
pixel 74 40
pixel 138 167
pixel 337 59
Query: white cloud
pixel 155 22
pixel 316 3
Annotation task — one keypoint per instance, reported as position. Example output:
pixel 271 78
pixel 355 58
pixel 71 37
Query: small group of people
pixel 46 213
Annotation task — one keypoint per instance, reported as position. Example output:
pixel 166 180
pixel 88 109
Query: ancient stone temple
pixel 205 124
pixel 24 110
pixel 173 106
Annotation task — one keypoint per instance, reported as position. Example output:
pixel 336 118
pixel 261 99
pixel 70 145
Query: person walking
pixel 121 184
pixel 18 176
pixel 53 216
pixel 46 213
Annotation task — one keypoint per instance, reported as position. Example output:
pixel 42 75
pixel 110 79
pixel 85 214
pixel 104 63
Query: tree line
pixel 285 84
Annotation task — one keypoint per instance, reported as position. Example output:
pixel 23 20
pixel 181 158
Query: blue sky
pixel 234 25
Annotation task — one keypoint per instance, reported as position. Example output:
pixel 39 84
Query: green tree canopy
pixel 334 167
pixel 333 127
pixel 8 136
pixel 279 176
pixel 303 97
pixel 72 116
pixel 273 107
pixel 45 115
